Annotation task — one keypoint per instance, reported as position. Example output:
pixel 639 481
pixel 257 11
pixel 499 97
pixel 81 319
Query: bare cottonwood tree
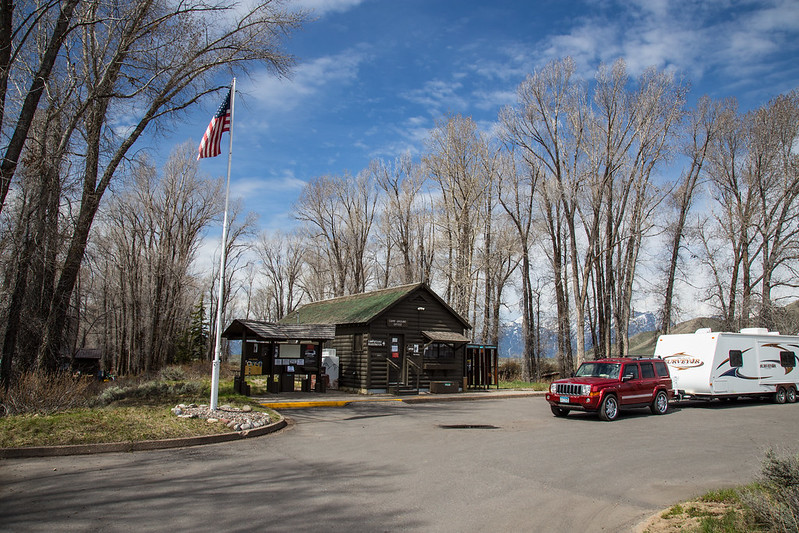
pixel 317 208
pixel 701 130
pixel 546 126
pixel 775 137
pixel 457 162
pixel 337 213
pixel 645 118
pixel 148 240
pixel 281 262
pixel 736 216
pixel 517 192
pixel 23 26
pixel 752 247
pixel 403 220
pixel 153 59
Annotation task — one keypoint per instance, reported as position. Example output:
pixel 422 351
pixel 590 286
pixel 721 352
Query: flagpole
pixel 218 335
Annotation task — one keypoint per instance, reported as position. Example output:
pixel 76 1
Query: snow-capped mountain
pixel 511 340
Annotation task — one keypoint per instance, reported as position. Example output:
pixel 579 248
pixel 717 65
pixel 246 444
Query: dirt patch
pixel 687 516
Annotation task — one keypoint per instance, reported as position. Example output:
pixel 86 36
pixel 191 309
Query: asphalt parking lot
pixel 501 465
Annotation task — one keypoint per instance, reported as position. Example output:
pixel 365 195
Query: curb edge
pixel 160 444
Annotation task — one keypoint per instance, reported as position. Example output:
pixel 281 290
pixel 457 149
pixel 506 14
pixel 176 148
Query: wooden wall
pixel 406 319
pixel 363 364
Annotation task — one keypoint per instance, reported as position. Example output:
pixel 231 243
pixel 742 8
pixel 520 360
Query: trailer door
pixel 742 373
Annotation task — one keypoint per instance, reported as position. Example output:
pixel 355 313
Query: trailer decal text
pixel 683 361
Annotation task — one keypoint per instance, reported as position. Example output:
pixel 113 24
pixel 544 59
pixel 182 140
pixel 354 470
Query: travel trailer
pixel 755 362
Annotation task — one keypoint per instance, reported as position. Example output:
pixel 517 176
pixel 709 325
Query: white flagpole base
pixel 215 385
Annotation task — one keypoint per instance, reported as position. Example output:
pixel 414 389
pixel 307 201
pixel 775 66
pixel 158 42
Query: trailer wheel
pixel 560 412
pixel 609 410
pixel 780 396
pixel 660 405
pixel 790 396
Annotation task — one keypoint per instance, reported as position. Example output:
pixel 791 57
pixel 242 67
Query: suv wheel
pixel 791 395
pixel 560 412
pixel 660 405
pixel 609 410
pixel 780 396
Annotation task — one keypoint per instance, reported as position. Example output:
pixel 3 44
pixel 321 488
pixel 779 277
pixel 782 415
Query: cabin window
pixel 357 342
pixel 663 370
pixel 787 359
pixel 647 370
pixel 736 358
pixel 439 350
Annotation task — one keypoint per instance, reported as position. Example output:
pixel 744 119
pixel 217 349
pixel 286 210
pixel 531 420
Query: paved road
pixel 396 466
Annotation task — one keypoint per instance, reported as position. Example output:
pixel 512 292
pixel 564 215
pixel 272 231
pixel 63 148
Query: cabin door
pixel 396 358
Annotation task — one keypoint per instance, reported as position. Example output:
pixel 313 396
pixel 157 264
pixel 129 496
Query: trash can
pixel 241 386
pixel 273 383
pixel 287 382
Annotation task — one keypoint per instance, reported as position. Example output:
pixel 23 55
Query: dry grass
pixel 702 515
pixel 44 393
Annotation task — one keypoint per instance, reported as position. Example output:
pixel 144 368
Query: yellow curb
pixel 323 403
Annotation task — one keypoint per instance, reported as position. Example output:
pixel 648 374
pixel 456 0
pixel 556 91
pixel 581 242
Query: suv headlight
pixel 553 388
pixel 586 390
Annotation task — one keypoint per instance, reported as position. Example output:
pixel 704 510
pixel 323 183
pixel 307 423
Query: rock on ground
pixel 233 417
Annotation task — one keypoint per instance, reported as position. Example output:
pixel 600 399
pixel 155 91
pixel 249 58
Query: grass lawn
pixel 108 424
pixel 527 385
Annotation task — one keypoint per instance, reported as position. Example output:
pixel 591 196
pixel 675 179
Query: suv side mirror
pixel 627 377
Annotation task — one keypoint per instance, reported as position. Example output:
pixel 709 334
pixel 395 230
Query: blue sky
pixel 373 76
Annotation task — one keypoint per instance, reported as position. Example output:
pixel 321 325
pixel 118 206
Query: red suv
pixel 608 385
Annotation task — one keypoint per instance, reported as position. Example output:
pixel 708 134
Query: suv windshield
pixel 598 370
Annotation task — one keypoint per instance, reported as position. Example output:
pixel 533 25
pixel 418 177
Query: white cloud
pixel 322 7
pixel 408 137
pixel 438 96
pixel 254 186
pixel 494 100
pixel 588 44
pixel 691 37
pixel 268 93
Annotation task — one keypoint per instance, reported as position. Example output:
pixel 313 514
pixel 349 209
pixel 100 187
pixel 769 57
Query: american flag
pixel 220 123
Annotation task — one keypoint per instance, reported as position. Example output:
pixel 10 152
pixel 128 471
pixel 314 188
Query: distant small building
pixel 84 360
pixel 399 339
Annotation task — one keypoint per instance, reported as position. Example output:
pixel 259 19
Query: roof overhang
pixel 269 331
pixel 446 337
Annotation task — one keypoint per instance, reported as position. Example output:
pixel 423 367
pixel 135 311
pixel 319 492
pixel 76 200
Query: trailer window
pixel 647 370
pixel 736 358
pixel 663 370
pixel 787 359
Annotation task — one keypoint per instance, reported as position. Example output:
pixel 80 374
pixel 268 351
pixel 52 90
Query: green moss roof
pixel 354 309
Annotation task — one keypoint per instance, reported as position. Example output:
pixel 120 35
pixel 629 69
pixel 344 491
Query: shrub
pixel 510 370
pixel 151 391
pixel 196 370
pixel 775 499
pixel 173 373
pixel 46 393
